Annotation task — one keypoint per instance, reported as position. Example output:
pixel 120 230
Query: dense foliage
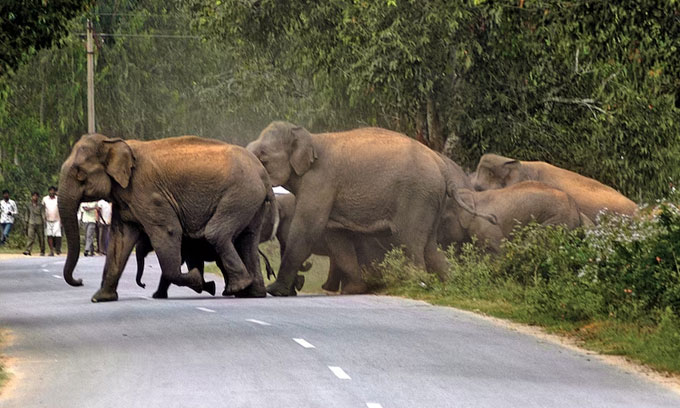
pixel 28 26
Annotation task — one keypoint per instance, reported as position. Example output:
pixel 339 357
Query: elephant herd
pixel 355 195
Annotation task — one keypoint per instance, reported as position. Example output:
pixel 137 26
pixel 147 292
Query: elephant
pixel 369 182
pixel 591 196
pixel 196 252
pixel 519 203
pixel 169 189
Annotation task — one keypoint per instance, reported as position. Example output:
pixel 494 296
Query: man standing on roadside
pixel 104 221
pixel 88 216
pixel 8 210
pixel 52 220
pixel 35 225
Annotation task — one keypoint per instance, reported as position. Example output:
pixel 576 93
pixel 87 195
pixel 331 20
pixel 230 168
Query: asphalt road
pixel 309 351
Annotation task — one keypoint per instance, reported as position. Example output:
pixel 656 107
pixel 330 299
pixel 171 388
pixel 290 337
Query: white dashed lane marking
pixel 260 322
pixel 144 297
pixel 339 372
pixel 45 270
pixel 205 309
pixel 304 343
pixel 56 276
pixel 373 405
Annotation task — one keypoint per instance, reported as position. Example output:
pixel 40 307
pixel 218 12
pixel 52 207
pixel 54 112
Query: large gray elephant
pixel 519 203
pixel 169 189
pixel 591 196
pixel 372 182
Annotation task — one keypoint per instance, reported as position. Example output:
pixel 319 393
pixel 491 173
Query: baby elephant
pixel 518 204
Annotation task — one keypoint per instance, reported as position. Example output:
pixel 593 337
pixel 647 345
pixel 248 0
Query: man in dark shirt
pixel 35 225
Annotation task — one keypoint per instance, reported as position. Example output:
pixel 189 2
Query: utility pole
pixel 90 79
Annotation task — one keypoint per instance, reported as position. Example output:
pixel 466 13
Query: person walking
pixel 8 210
pixel 52 220
pixel 35 225
pixel 104 221
pixel 88 216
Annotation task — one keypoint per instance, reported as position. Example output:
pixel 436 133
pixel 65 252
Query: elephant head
pixel 95 166
pixel 495 171
pixel 285 150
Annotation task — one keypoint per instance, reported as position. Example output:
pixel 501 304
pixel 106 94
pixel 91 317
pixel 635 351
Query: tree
pixel 28 26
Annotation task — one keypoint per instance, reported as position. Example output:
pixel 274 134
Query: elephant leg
pixel 307 227
pixel 341 250
pixel 163 286
pixel 247 245
pixel 435 261
pixel 222 269
pixel 167 240
pixel 332 283
pixel 238 278
pixel 123 239
pixel 197 263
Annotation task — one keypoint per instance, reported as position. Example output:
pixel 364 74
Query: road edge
pixel 667 380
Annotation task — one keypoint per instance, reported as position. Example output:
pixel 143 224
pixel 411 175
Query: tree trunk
pixel 421 126
pixel 435 134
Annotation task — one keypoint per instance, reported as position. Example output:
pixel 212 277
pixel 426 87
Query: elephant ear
pixel 303 154
pixel 466 200
pixel 119 161
pixel 500 166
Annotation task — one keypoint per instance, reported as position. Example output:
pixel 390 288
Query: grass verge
pixel 4 376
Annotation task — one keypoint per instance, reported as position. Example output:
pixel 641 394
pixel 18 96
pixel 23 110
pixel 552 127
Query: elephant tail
pixel 268 266
pixel 306 267
pixel 274 208
pixel 140 268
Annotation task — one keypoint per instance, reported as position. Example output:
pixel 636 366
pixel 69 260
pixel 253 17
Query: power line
pixel 194 37
pixel 137 15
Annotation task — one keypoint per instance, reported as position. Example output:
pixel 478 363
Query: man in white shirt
pixel 52 220
pixel 8 210
pixel 88 216
pixel 104 221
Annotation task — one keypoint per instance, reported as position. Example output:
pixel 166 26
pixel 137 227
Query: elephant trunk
pixel 68 209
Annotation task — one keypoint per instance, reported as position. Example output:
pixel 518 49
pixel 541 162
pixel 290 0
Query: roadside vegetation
pixel 4 376
pixel 615 287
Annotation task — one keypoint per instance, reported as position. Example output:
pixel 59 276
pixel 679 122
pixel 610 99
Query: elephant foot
pixel 329 286
pixel 354 288
pixel 209 287
pixel 103 295
pixel 237 285
pixel 253 291
pixel 160 294
pixel 194 280
pixel 279 289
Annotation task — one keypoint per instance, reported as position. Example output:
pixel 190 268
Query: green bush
pixel 624 268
